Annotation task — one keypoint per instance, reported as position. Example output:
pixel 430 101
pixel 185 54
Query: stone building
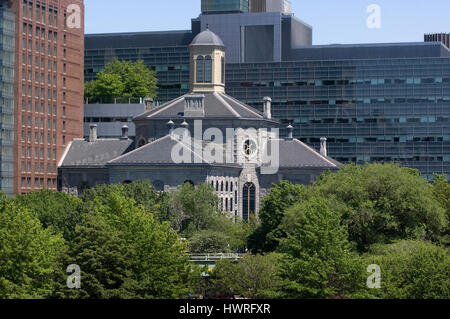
pixel 203 136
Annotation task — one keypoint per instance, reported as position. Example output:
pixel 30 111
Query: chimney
pixel 267 101
pixel 171 126
pixel 124 133
pixel 323 146
pixel 93 133
pixel 185 125
pixel 290 135
pixel 148 101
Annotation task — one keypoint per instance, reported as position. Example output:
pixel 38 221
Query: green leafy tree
pixel 383 202
pixel 29 254
pixel 317 260
pixel 282 196
pixel 159 262
pixel 105 260
pixel 441 190
pixel 142 192
pixel 105 88
pixel 122 79
pixel 209 241
pixel 195 208
pixel 254 276
pixel 411 270
pixel 58 211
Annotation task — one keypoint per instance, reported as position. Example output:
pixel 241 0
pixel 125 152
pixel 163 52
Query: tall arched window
pixel 248 200
pixel 200 77
pixel 208 69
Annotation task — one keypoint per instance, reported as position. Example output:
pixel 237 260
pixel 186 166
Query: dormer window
pixel 204 69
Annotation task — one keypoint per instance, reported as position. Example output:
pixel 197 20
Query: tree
pixel 58 211
pixel 317 260
pixel 105 261
pixel 209 241
pixel 122 79
pixel 411 270
pixel 253 276
pixel 441 190
pixel 282 196
pixel 159 263
pixel 195 208
pixel 142 193
pixel 29 254
pixel 383 202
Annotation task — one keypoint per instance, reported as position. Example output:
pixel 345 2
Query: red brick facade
pixel 49 64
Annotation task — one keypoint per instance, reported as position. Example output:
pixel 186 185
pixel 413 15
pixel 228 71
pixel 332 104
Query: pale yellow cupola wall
pixel 207 63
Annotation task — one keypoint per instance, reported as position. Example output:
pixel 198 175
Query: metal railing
pixel 215 257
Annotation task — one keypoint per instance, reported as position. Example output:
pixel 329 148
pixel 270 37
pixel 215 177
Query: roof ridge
pixel 313 150
pixel 139 148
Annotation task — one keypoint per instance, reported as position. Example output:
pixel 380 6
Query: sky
pixel 333 21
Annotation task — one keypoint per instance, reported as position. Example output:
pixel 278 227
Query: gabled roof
pixel 82 153
pixel 217 106
pixel 159 152
pixel 296 154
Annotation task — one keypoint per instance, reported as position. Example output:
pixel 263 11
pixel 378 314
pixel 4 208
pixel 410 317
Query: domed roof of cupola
pixel 207 37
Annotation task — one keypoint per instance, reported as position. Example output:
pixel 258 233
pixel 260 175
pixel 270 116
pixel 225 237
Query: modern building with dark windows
pixel 374 102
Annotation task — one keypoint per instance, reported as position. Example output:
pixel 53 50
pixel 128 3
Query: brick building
pixel 48 89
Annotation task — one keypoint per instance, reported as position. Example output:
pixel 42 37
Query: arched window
pixel 226 187
pixel 200 76
pixel 231 187
pixel 226 204
pixel 248 200
pixel 223 70
pixel 217 186
pixel 208 69
pixel 221 187
pixel 159 185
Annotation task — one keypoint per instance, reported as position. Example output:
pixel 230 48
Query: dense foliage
pixel 122 79
pixel 316 241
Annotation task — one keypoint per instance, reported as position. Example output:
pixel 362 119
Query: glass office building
pixel 7 49
pixel 224 6
pixel 374 102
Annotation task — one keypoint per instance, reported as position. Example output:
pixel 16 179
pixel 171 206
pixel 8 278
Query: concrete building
pixel 183 141
pixel 110 118
pixel 42 107
pixel 375 102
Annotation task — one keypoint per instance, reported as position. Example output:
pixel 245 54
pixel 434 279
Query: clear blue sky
pixel 333 21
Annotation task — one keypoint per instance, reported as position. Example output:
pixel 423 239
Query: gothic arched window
pixel 200 76
pixel 248 200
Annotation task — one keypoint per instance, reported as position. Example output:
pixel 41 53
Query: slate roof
pixel 217 106
pixel 207 37
pixel 82 153
pixel 159 152
pixel 296 154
